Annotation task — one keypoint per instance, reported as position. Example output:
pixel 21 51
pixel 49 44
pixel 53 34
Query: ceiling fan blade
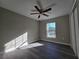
pixel 37 9
pixel 38 16
pixel 39 4
pixel 34 13
pixel 45 15
pixel 49 9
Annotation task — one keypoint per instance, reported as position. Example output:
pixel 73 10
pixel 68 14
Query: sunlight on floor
pixel 9 50
pixel 25 46
pixel 31 45
pixel 17 42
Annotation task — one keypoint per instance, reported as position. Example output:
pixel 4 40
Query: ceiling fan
pixel 40 10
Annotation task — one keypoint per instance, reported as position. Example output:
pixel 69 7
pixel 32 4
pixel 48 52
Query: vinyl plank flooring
pixel 49 50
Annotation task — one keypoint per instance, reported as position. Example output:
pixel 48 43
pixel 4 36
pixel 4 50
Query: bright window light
pixel 17 42
pixel 51 30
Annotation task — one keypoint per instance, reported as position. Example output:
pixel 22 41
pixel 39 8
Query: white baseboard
pixel 58 42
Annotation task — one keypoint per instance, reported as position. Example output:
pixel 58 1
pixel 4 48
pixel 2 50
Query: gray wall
pixel 78 31
pixel 74 25
pixel 72 33
pixel 13 25
pixel 62 30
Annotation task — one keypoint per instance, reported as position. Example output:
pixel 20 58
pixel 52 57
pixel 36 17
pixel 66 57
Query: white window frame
pixel 52 31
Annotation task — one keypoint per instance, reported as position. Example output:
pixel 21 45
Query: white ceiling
pixel 24 7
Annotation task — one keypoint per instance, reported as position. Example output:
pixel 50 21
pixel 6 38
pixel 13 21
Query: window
pixel 51 30
pixel 15 43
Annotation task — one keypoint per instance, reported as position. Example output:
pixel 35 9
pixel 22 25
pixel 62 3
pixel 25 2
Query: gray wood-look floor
pixel 47 51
